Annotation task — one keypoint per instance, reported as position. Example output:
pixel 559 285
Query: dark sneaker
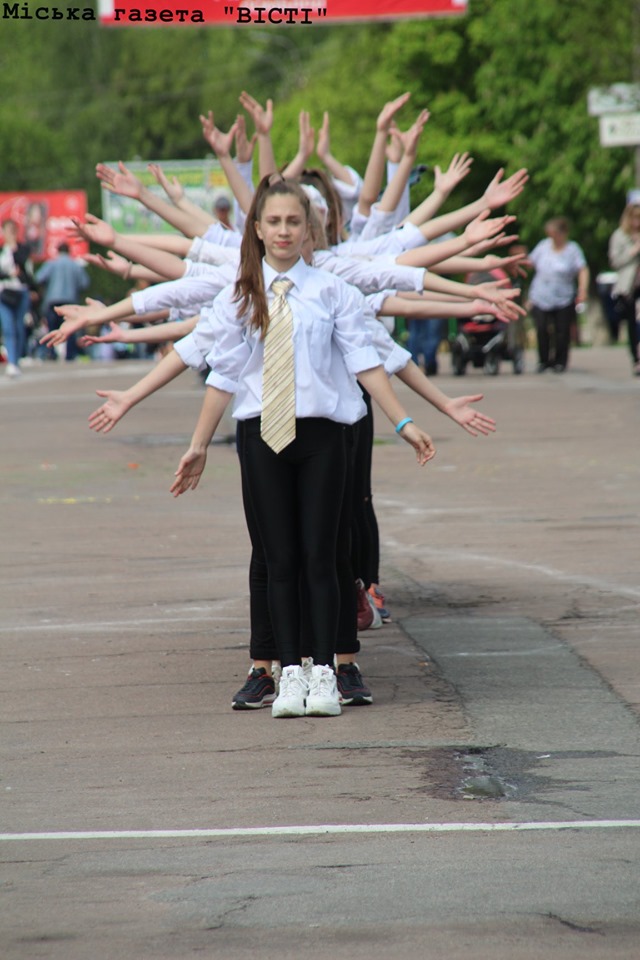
pixel 258 691
pixel 351 687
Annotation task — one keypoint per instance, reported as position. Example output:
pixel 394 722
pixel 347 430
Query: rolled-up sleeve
pixel 188 351
pixel 351 335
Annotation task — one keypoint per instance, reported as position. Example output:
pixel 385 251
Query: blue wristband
pixel 403 423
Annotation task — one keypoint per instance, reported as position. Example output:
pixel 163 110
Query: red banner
pixel 124 13
pixel 43 218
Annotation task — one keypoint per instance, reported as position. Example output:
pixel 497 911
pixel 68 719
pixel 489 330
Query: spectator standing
pixel 222 211
pixel 558 263
pixel 15 275
pixel 64 280
pixel 624 257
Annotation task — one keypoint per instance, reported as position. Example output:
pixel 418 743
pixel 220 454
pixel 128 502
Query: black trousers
pixel 262 645
pixel 553 331
pixel 296 500
pixel 625 308
pixel 365 556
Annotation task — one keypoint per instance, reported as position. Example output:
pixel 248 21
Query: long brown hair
pixel 318 178
pixel 249 289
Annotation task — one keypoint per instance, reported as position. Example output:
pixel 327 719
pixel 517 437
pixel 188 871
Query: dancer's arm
pixel 119 402
pixel 376 382
pixel 193 462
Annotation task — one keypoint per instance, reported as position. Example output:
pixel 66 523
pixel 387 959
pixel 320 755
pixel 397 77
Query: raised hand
pixel 393 149
pixel 482 229
pixel 105 417
pixel 471 420
pixel 75 317
pixel 219 142
pixel 244 146
pixel 173 188
pixel 517 262
pixel 499 192
pixel 189 471
pixel 113 262
pixel 94 229
pixel 388 112
pixel 116 334
pixel 411 137
pixel 323 147
pixel 456 172
pixel 500 304
pixel 123 182
pixel 307 135
pixel 262 118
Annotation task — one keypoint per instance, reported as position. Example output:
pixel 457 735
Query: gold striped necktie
pixel 278 421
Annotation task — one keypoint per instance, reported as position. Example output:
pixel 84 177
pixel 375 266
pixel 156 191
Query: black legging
pixel 365 554
pixel 626 310
pixel 553 330
pixel 262 645
pixel 296 497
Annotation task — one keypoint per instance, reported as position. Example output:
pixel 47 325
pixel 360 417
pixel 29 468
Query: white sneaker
pixel 323 699
pixel 11 370
pixel 290 701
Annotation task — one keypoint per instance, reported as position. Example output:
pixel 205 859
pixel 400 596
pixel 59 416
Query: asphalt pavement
pixel 486 805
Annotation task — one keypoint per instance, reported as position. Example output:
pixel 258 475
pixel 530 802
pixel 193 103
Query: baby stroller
pixel 484 341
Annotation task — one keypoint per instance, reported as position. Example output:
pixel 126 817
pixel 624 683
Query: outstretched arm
pixel 175 191
pixel 376 382
pixel 124 182
pixel 444 184
pixel 460 409
pixel 480 229
pixel 409 140
pixel 377 158
pixel 119 402
pixel 76 317
pixel 158 333
pixel 497 194
pixel 161 262
pixel 193 462
pixel 221 143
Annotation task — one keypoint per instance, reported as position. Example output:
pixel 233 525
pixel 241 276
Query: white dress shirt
pixel 330 341
pixel 199 285
pixel 396 241
pixel 371 276
pixel 216 233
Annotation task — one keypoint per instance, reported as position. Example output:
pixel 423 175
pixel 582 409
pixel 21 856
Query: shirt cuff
pixel 397 360
pixel 189 353
pixel 364 358
pixel 216 380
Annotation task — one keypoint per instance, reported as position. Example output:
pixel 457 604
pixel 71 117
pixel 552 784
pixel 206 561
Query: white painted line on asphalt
pixel 456 556
pixel 326 828
pixel 119 624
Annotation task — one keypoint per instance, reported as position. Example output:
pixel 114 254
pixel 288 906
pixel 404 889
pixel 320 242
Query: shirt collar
pixel 297 274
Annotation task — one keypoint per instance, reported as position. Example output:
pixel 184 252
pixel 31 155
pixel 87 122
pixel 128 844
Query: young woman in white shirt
pixel 296 493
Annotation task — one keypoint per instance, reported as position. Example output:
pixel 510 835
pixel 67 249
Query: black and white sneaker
pixel 258 691
pixel 351 686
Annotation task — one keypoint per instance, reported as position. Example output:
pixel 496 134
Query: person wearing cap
pixel 222 211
